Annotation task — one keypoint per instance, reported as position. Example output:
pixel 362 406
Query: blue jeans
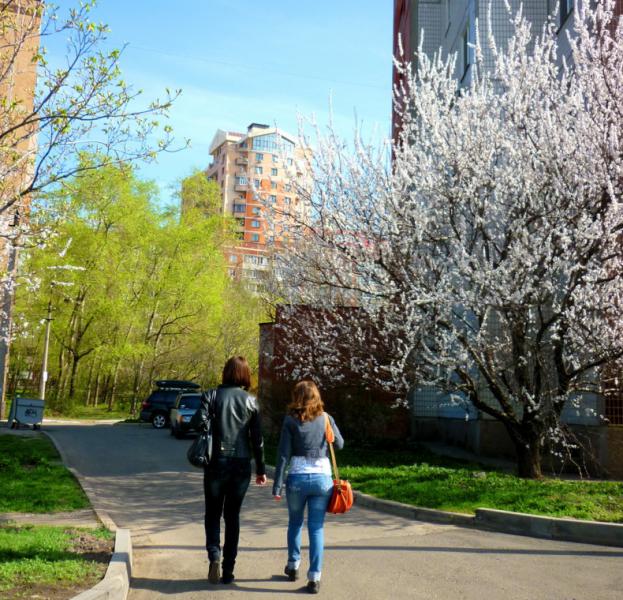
pixel 313 489
pixel 225 483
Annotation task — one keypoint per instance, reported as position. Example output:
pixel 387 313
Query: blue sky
pixel 239 61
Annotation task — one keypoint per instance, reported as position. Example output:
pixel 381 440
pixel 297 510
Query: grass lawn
pixel 421 478
pixel 91 413
pixel 49 562
pixel 32 478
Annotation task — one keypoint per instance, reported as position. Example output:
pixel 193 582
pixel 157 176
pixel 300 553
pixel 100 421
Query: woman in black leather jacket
pixel 236 434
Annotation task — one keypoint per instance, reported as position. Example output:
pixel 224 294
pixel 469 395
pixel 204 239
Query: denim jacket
pixel 302 438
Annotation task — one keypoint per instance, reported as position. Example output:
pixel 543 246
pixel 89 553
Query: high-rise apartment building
pixel 261 174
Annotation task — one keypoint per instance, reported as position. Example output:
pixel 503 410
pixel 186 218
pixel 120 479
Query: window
pixel 274 172
pixel 273 142
pixel 566 8
pixel 259 157
pixel 255 237
pixel 288 187
pixel 255 223
pixel 239 208
pixel 240 222
pixel 272 198
pixel 232 272
pixel 252 259
pixel 240 180
pixel 256 210
pixel 233 258
pixel 286 200
pixel 289 162
pixel 275 158
pixel 256 183
pixel 273 185
pixel 259 170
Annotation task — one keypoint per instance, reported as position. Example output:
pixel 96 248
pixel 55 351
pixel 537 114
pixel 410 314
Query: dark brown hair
pixel 237 372
pixel 306 402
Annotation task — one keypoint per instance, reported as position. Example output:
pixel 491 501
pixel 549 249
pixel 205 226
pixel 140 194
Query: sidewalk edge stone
pixel 489 519
pixel 413 512
pixel 101 514
pixel 116 582
pixel 567 530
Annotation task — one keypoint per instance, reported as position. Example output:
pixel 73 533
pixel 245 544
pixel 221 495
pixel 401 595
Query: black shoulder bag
pixel 200 451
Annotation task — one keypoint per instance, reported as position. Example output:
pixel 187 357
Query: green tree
pixel 138 294
pixel 199 192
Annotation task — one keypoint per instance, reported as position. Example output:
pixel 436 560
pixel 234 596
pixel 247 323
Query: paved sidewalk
pixel 141 478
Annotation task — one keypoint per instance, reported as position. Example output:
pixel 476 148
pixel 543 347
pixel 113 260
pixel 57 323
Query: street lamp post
pixel 46 346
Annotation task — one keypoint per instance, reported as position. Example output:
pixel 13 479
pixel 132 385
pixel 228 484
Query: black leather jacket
pixel 236 425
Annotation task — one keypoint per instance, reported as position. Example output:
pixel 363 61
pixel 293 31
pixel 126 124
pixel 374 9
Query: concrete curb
pixel 413 512
pixel 565 530
pixel 116 582
pixel 568 530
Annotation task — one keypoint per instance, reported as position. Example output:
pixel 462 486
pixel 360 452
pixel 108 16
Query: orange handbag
pixel 342 496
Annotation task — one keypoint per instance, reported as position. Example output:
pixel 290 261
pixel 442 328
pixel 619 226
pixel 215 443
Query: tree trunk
pixel 111 398
pixel 527 440
pixel 87 399
pixel 72 377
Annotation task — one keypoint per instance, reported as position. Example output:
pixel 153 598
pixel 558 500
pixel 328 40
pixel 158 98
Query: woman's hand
pixel 260 480
pixel 277 498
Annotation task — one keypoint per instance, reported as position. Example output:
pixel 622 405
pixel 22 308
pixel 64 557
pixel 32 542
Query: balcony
pixel 242 160
pixel 241 187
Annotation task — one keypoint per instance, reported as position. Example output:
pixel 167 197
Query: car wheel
pixel 158 420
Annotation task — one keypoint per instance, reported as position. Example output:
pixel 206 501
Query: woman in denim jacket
pixel 303 445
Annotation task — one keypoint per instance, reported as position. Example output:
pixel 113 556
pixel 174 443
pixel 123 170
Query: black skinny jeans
pixel 225 482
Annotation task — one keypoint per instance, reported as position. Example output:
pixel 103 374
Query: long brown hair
pixel 306 403
pixel 237 372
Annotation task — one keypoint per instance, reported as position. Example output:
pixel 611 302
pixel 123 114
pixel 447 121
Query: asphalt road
pixel 143 481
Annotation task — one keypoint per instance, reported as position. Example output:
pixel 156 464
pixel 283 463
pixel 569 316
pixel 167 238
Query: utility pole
pixel 46 346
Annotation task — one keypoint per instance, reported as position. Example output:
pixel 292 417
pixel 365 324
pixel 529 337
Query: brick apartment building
pixel 19 42
pixel 257 170
pixel 450 25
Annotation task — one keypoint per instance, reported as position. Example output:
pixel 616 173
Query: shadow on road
pixel 168 587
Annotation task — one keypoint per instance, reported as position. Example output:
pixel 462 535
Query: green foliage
pixel 198 192
pixel 44 556
pixel 32 478
pixel 137 294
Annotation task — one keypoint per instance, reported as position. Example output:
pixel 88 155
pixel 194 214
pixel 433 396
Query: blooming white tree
pixel 485 259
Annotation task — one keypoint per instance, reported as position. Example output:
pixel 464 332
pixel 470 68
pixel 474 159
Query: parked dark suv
pixel 157 407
